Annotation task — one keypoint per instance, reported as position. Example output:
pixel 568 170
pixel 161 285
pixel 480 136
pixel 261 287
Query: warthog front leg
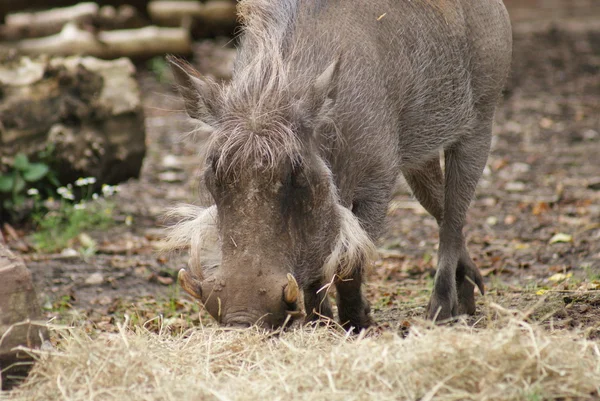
pixel 456 275
pixel 316 303
pixel 353 308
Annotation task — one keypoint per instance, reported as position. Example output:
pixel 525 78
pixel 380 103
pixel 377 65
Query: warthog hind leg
pixel 448 203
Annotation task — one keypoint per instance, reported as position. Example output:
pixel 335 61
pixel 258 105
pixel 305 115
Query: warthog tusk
pixel 291 291
pixel 295 313
pixel 189 284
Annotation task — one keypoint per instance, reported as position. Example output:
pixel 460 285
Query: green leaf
pixel 19 184
pixel 21 162
pixel 6 183
pixel 18 200
pixel 35 172
pixel 53 180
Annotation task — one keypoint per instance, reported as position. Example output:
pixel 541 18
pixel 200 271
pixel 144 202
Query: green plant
pixel 14 183
pixel 57 228
pixel 591 274
pixel 159 67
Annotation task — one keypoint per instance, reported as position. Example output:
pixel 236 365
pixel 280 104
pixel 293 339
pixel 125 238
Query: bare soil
pixel 542 180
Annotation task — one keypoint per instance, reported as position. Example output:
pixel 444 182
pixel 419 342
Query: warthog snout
pixel 272 306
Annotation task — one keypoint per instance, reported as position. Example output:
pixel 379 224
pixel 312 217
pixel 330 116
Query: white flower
pixel 62 190
pixel 32 192
pixel 95 196
pixel 109 190
pixel 79 206
pixel 85 181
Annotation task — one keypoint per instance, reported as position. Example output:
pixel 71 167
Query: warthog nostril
pixel 243 325
pixel 238 322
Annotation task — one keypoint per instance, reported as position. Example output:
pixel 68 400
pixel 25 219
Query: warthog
pixel 329 101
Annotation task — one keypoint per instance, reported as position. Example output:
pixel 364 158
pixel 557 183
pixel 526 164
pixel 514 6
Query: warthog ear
pixel 199 93
pixel 324 89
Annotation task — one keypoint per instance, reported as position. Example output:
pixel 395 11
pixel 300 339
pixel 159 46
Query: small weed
pixel 383 302
pixel 174 313
pixel 61 305
pixel 160 68
pixel 496 283
pixel 591 274
pixel 534 395
pixel 57 228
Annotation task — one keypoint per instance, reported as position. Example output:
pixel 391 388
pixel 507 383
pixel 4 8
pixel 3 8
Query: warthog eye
pixel 298 178
pixel 212 177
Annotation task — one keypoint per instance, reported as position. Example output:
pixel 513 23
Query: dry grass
pixel 511 361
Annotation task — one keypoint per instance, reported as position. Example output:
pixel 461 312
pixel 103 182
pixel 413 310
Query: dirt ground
pixel 533 229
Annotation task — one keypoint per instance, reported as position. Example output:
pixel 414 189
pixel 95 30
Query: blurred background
pixel 93 149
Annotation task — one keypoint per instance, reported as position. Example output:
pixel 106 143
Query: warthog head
pixel 277 225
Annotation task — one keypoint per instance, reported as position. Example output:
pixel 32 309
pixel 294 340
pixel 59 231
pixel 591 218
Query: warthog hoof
pixel 447 302
pixel 356 318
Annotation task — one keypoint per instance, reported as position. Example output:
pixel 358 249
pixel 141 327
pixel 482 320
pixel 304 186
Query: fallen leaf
pixel 164 280
pixel 491 221
pixel 515 186
pixel 559 268
pixel 546 123
pixel 12 233
pixel 541 292
pixel 499 164
pixel 155 278
pixel 540 207
pixel 69 253
pixel 171 176
pixel 86 241
pixel 560 277
pixel 561 237
pixel 486 272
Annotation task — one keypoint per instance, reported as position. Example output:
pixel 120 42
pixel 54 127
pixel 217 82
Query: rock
pixel 515 186
pixel 20 318
pixel 171 176
pixel 87 110
pixel 95 279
